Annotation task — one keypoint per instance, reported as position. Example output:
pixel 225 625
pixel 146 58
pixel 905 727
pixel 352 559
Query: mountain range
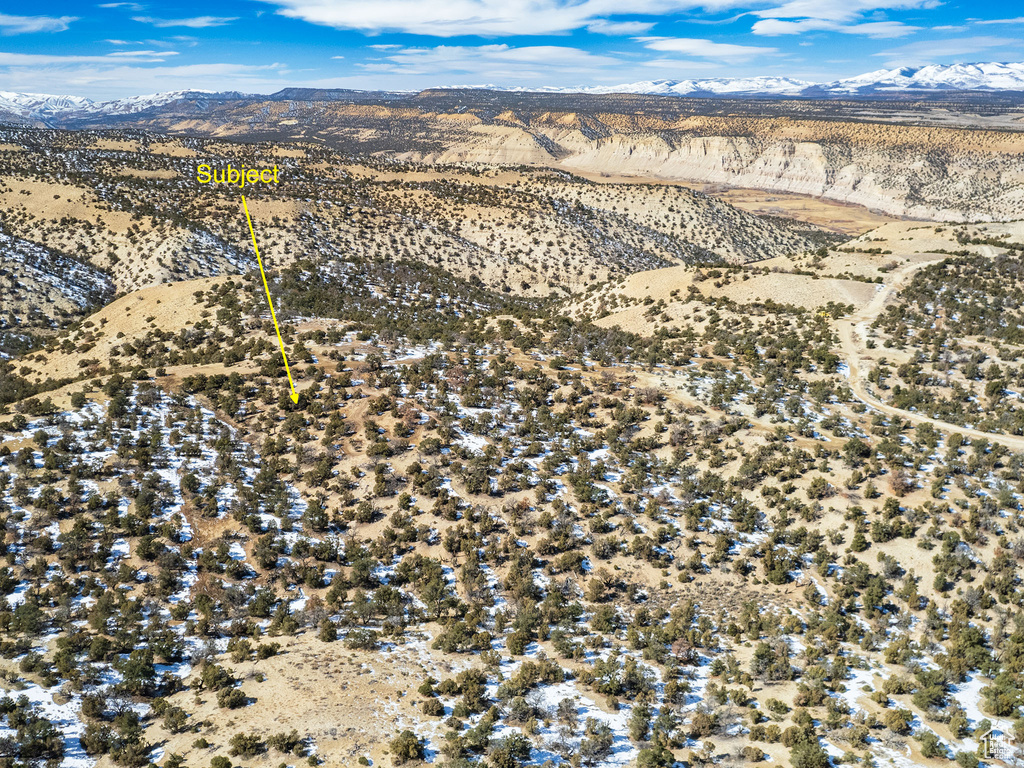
pixel 990 77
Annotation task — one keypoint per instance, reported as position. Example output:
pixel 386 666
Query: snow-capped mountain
pixel 778 85
pixel 983 77
pixel 138 103
pixel 934 77
pixel 959 77
pixel 42 106
pixel 741 86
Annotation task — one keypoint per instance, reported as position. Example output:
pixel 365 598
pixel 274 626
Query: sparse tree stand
pixel 471 479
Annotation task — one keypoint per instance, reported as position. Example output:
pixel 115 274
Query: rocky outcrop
pixel 847 153
pixel 933 174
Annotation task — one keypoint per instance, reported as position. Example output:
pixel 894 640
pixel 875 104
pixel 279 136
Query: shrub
pixel 362 640
pixel 246 745
pixel 703 724
pixel 175 719
pixel 328 631
pixel 407 746
pixel 285 742
pixel 266 650
pixel 433 708
pixel 510 752
pixel 517 642
pixel 231 698
pixel 655 757
pixel 97 739
pixel 897 720
pixel 752 754
pixel 216 677
pixel 93 706
pixel 931 746
pixel 808 754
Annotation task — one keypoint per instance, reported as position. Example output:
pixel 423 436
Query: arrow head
pixel 295 397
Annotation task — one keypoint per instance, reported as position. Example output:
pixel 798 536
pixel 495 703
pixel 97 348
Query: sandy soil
pixel 852 332
pixel 845 218
pixel 325 691
pixel 801 290
pixel 171 148
pixel 782 287
pixel 144 173
pixel 122 145
pixel 831 215
pixel 168 307
pixel 51 201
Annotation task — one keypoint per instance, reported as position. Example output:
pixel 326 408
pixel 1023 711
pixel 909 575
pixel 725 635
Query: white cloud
pixel 43 59
pixel 524 66
pixel 707 49
pixel 839 10
pixel 718 22
pixel 129 6
pixel 1018 20
pixel 924 52
pixel 174 40
pixel 196 22
pixel 497 60
pixel 479 17
pixel 493 18
pixel 875 29
pixel 104 78
pixel 603 27
pixel 19 25
pixel 682 66
pixel 848 17
pixel 141 54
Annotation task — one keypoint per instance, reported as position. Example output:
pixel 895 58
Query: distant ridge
pixel 40 106
pixel 986 78
pixel 330 94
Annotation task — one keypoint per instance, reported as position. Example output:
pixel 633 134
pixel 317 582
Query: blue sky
pixel 114 49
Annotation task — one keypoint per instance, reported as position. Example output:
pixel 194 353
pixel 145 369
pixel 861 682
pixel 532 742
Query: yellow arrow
pixel 280 341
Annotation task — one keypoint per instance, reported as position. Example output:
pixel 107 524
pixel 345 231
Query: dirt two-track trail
pixel 853 331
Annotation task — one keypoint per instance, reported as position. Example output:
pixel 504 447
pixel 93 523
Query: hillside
pixel 500 530
pixel 940 161
pixel 123 211
pixel 45 289
pixel 580 471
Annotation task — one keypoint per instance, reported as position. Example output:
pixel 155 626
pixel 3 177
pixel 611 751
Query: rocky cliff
pixel 907 160
pixel 941 174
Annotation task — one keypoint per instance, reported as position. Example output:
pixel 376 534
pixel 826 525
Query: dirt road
pixel 853 330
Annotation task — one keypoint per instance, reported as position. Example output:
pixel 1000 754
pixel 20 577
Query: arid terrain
pixel 132 207
pixel 603 451
pixel 931 161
